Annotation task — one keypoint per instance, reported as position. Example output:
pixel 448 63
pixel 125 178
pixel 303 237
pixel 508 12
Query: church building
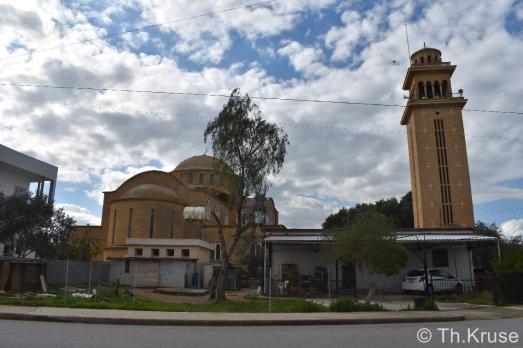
pixel 148 239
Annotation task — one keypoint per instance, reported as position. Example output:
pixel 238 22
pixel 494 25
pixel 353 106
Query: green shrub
pixel 302 306
pixel 428 305
pixel 350 304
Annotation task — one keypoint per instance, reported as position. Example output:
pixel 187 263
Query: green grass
pixel 106 299
pixel 350 304
pixel 479 298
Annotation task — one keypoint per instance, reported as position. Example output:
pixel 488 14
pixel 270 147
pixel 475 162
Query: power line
pixel 307 100
pixel 148 26
pixel 292 124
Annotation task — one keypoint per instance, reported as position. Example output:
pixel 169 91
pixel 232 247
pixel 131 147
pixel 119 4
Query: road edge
pixel 229 322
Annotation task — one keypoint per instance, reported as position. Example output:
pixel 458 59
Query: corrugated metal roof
pixel 401 238
pixel 414 238
pixel 299 238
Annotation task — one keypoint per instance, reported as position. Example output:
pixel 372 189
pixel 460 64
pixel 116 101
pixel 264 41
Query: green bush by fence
pixel 508 288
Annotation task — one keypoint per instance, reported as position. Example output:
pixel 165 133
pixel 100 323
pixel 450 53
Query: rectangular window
pixel 130 223
pixel 216 253
pixel 211 179
pixel 138 252
pixel 127 266
pixel 181 177
pixel 155 252
pixel 170 252
pixel 226 218
pixel 151 223
pixel 222 181
pixel 190 178
pixel 186 252
pixel 446 199
pixel 114 225
pixel 440 258
pixel 201 179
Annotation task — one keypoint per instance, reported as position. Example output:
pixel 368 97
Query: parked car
pixel 439 281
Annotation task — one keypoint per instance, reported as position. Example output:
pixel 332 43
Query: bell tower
pixel 439 171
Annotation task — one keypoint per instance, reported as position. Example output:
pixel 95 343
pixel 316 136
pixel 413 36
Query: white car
pixel 439 281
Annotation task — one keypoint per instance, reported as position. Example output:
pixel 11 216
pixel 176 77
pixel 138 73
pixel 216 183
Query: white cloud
pixel 82 215
pixel 304 59
pixel 206 39
pixel 512 228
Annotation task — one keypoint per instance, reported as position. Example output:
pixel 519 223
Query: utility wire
pixel 208 118
pixel 256 4
pixel 127 90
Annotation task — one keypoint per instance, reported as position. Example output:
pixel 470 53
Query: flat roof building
pixel 18 171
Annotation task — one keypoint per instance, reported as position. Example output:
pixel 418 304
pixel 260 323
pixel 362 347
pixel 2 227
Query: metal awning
pixel 411 238
pixel 444 238
pixel 298 239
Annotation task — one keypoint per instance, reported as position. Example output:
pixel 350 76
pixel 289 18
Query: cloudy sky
pixel 307 49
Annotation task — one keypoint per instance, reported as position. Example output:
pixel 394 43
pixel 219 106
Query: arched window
pixel 444 88
pixel 190 178
pixel 421 89
pixel 428 58
pixel 172 224
pixel 201 179
pixel 429 90
pixel 437 91
pixel 130 223
pixel 151 223
pixel 422 60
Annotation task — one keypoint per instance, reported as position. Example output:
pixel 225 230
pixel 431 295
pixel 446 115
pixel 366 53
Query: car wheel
pixel 458 289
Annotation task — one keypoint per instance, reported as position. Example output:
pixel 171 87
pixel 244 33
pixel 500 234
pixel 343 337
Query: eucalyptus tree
pixel 251 149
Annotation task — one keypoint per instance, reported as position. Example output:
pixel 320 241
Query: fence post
pixel 66 280
pixel 90 273
pixel 270 289
pixel 329 286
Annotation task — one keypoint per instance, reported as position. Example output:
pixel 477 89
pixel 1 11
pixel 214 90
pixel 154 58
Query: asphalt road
pixel 45 334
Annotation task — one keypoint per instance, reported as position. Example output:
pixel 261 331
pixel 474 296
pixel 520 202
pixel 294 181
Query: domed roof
pixel 152 192
pixel 197 162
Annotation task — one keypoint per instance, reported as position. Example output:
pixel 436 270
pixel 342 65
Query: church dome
pixel 204 162
pixel 151 192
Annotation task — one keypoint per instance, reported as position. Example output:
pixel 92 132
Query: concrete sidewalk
pixel 111 316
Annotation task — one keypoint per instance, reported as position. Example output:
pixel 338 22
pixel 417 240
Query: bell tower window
pixel 437 91
pixel 421 89
pixel 444 88
pixel 429 90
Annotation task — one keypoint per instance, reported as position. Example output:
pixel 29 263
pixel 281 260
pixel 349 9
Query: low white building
pixel 167 263
pixel 18 171
pixel 306 257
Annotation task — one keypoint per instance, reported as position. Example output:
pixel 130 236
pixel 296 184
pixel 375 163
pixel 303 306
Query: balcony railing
pixel 425 65
pixel 446 96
